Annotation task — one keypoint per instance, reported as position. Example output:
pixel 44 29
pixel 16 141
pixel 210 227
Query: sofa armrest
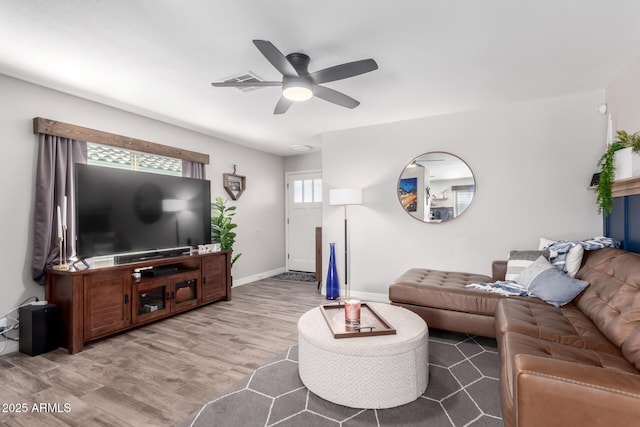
pixel 498 270
pixel 551 392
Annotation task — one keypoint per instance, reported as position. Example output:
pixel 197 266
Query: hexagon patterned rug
pixel 462 391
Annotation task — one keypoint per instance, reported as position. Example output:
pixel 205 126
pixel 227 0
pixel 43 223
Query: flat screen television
pixel 128 212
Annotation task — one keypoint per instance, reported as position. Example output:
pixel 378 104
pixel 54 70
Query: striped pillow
pixel 520 260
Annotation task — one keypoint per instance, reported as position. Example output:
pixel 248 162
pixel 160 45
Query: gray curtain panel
pixel 55 179
pixel 193 169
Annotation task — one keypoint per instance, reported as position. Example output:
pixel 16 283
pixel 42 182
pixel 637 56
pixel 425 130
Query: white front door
pixel 304 214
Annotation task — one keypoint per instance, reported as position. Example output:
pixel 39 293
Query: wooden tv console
pixel 97 302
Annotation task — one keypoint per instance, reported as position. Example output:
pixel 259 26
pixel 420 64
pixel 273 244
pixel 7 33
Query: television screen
pixel 121 211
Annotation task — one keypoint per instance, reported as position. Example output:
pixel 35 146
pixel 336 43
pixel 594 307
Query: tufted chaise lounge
pixel 443 301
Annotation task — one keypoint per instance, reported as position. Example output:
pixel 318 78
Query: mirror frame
pixel 403 172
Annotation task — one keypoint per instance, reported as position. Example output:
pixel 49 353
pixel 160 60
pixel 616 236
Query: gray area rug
pixel 297 276
pixel 462 391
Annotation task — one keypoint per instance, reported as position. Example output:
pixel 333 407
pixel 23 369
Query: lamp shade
pixel 345 196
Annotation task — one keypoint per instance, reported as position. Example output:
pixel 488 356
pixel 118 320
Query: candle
pixel 59 224
pixel 352 311
pixel 64 213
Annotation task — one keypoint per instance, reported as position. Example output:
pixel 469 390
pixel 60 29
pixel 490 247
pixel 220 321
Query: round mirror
pixel 436 187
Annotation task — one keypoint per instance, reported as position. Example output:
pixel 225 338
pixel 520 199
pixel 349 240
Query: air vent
pixel 245 77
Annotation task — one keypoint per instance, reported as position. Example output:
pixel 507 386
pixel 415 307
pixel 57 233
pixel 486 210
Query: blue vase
pixel 333 283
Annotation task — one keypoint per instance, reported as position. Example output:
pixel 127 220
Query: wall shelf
pixel 624 187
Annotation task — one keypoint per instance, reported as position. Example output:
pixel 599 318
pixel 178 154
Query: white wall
pixel 260 209
pixel 303 162
pixel 623 99
pixel 532 163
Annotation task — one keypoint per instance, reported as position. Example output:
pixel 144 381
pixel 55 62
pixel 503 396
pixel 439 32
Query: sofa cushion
pixel 564 325
pixel 513 343
pixel 612 300
pixel 444 290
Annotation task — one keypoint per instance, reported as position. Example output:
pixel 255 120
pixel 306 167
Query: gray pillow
pixel 555 287
pixel 527 275
pixel 520 260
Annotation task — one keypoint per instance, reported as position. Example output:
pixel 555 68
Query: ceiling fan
pixel 298 84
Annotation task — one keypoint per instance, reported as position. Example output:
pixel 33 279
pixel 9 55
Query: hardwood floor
pixel 158 374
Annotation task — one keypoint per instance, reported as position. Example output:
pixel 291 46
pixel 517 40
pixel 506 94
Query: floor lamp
pixel 345 197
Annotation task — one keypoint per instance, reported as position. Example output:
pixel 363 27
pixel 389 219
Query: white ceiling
pixel 158 57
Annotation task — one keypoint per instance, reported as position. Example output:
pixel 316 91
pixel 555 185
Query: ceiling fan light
pixel 297 91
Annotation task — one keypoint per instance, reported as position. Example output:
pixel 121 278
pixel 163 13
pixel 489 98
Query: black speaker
pixel 40 329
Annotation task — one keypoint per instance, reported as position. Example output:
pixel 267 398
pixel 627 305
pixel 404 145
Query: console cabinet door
pixel 185 291
pixel 151 300
pixel 107 306
pixel 214 278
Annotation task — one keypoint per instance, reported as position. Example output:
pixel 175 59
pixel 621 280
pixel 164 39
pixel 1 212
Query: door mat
pixel 296 276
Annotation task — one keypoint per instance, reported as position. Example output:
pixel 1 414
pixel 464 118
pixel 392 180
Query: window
pixel 307 191
pixel 113 157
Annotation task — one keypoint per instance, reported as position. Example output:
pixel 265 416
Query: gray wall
pixel 532 163
pixel 260 209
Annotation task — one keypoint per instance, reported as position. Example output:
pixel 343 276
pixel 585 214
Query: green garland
pixel 608 167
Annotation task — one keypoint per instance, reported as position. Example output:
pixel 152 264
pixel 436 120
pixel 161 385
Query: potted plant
pixel 222 226
pixel 608 166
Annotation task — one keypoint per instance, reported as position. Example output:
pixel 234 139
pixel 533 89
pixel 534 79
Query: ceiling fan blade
pixel 282 106
pixel 344 71
pixel 276 58
pixel 245 84
pixel 334 96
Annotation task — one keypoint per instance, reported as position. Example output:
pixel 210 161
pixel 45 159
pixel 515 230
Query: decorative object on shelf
pixel 62 237
pixel 345 197
pixel 234 184
pixel 333 283
pixel 222 226
pixel 607 165
pixel 212 247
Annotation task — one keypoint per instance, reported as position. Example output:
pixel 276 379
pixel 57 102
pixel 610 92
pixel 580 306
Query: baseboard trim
pixel 259 276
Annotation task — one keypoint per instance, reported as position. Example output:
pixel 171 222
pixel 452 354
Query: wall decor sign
pixel 234 184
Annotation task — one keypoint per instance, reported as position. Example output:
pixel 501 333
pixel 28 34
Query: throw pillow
pixel 530 273
pixel 570 261
pixel 555 287
pixel 519 260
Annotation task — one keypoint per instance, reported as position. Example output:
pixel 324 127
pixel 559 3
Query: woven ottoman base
pixel 365 372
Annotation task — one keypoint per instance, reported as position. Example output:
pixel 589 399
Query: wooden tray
pixel 371 323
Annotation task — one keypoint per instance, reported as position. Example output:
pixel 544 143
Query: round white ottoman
pixel 365 372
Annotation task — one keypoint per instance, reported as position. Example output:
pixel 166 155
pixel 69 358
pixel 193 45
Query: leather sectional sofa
pixel 578 364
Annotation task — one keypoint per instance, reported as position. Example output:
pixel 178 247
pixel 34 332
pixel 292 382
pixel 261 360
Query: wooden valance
pixel 66 130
